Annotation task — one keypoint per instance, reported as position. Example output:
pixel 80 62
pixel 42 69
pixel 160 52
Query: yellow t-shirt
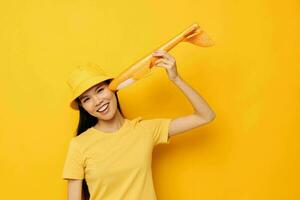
pixel 117 165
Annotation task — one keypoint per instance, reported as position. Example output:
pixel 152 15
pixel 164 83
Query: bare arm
pixel 203 114
pixel 74 189
pixel 199 104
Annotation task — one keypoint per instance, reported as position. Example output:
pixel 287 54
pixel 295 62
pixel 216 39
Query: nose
pixel 97 101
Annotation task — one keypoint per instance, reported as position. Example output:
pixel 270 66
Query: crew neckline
pixel 122 129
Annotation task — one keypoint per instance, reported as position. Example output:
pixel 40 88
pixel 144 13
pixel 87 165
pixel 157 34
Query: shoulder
pixel 82 138
pixel 140 121
pixel 136 121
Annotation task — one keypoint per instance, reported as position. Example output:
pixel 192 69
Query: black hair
pixel 86 121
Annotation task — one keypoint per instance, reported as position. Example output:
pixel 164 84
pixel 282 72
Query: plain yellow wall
pixel 249 78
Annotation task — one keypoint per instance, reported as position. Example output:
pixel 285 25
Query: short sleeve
pixel 160 131
pixel 73 166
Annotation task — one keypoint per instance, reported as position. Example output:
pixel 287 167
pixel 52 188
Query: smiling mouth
pixel 103 108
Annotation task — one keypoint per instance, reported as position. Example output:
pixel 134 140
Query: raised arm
pixel 203 114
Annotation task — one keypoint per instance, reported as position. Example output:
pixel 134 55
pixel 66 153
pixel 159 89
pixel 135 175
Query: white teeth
pixel 103 108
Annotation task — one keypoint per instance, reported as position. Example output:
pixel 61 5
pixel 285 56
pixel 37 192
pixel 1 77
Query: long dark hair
pixel 87 121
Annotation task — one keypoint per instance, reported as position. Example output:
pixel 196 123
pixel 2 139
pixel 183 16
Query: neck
pixel 111 125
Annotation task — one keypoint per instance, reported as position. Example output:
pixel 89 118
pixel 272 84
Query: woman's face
pixel 94 101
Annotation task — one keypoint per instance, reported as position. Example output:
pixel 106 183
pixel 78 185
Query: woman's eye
pixel 100 90
pixel 85 99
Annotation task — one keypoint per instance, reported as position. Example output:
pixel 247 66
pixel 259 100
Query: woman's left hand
pixel 166 61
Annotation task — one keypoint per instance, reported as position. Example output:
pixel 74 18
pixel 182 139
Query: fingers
pixel 164 54
pixel 163 60
pixel 163 63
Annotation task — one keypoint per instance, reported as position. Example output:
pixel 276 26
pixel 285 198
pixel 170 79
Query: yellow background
pixel 249 78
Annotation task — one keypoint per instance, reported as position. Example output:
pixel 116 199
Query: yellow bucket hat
pixel 83 78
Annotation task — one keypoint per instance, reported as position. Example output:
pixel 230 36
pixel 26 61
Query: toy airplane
pixel 142 68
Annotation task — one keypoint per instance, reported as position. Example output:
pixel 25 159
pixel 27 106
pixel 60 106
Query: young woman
pixel 110 157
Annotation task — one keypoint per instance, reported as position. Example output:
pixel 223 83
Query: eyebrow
pixel 95 90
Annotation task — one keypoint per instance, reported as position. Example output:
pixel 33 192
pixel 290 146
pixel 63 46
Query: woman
pixel 110 158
